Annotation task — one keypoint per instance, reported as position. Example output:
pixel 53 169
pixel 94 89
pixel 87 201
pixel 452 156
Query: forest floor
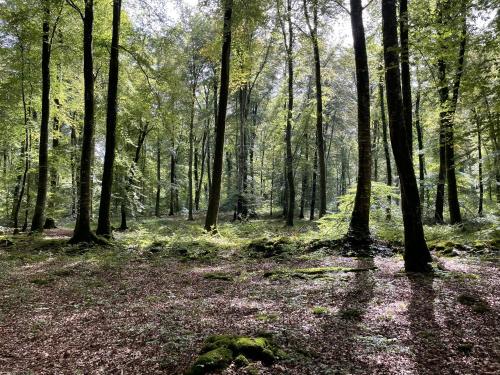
pixel 147 303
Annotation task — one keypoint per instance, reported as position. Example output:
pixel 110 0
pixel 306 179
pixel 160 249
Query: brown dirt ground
pixel 150 316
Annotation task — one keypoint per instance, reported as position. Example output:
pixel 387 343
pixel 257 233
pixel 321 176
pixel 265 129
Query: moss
pixel 319 310
pixel 269 247
pixel 477 304
pixel 43 281
pixel 215 359
pixel 241 361
pixel 266 317
pixel 221 350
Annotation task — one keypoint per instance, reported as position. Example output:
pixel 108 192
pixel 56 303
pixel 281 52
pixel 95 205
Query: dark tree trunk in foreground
pixel 360 219
pixel 405 72
pixel 417 256
pixel 43 168
pixel 220 127
pixel 82 232
pixel 313 30
pixel 104 223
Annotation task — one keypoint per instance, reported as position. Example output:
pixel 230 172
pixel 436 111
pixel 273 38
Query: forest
pixel 249 187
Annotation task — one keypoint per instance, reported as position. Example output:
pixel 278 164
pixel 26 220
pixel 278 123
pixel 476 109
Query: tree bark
pixel 158 177
pixel 387 153
pixel 421 156
pixel 82 232
pixel 405 72
pixel 41 196
pixel 104 222
pixel 214 197
pixel 417 256
pixel 313 31
pixel 359 226
pixel 190 157
pixel 313 187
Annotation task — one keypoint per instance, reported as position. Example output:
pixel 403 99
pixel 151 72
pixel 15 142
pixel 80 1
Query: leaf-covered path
pixel 108 311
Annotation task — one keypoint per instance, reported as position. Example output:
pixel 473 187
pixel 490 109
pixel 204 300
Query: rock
pixel 50 223
pixel 216 359
pixel 241 361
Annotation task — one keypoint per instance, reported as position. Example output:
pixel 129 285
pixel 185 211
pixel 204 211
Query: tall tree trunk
pixel 173 180
pixel 305 176
pixel 241 204
pixel 453 204
pixel 405 72
pixel 82 232
pixel 387 153
pixel 158 177
pixel 41 196
pixel 190 157
pixel 288 39
pixel 104 222
pixel 313 30
pixel 214 198
pixel 313 187
pixel 480 163
pixel 417 256
pixel 421 156
pixel 359 226
pixel 375 149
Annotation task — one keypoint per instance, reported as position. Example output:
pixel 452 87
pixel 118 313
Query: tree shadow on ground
pixel 346 326
pixel 427 347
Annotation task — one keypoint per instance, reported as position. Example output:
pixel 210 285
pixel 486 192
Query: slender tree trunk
pixel 173 182
pixel 405 72
pixel 375 149
pixel 417 256
pixel 288 41
pixel 190 157
pixel 104 222
pixel 41 196
pixel 199 182
pixel 305 176
pixel 359 226
pixel 453 204
pixel 387 153
pixel 214 198
pixel 158 177
pixel 421 156
pixel 82 232
pixel 313 187
pixel 313 30
pixel 480 163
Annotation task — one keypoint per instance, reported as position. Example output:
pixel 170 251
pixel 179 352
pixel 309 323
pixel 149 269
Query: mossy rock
pixel 312 273
pixel 216 359
pixel 50 223
pixel 267 247
pixel 241 361
pixel 258 349
pixel 220 350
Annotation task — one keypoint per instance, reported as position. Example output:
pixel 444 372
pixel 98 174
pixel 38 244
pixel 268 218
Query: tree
pixel 104 224
pixel 313 31
pixel 83 232
pixel 417 256
pixel 288 40
pixel 43 167
pixel 220 127
pixel 359 226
